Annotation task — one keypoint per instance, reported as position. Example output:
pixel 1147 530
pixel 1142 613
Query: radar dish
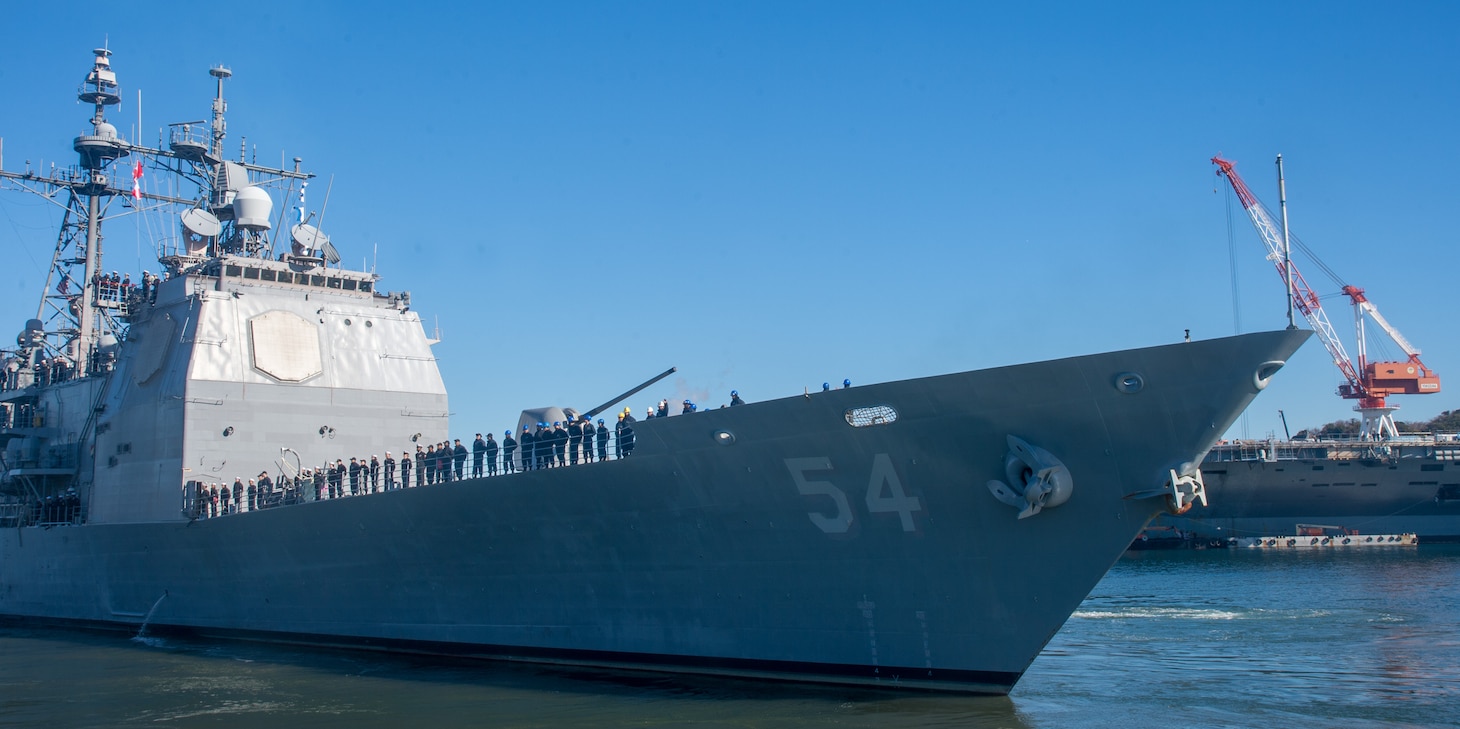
pixel 308 237
pixel 201 223
pixel 330 254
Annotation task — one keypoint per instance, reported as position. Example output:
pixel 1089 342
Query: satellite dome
pixel 106 131
pixel 251 208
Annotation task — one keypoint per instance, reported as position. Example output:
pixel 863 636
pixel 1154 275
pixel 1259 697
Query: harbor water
pixel 1214 638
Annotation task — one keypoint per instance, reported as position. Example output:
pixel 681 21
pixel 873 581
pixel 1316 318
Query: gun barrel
pixel 601 408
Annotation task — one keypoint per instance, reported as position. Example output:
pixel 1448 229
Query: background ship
pixel 928 533
pixel 1379 481
pixel 1260 488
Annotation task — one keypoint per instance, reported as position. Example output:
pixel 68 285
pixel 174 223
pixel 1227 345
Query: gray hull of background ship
pixel 1373 496
pixel 780 550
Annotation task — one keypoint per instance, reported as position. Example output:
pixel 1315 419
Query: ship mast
pixel 97 152
pixel 220 128
pixel 74 315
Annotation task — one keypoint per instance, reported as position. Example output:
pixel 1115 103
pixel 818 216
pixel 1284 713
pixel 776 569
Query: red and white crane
pixel 1371 383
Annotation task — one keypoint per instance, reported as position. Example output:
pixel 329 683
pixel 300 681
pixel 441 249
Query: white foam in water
pixel 1160 613
pixel 150 641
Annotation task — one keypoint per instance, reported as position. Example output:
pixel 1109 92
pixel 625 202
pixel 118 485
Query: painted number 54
pixel 884 494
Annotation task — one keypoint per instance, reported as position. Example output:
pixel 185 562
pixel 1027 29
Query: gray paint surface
pixel 695 555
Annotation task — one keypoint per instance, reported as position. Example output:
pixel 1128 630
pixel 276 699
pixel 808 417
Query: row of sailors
pixel 547 447
pixel 50 370
pixel 57 509
pixel 119 288
pixel 689 406
pixel 210 500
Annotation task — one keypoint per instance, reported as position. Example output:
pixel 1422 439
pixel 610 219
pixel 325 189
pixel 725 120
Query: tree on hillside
pixel 1338 428
pixel 1446 422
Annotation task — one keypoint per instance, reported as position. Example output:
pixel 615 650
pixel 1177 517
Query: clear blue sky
pixel 773 195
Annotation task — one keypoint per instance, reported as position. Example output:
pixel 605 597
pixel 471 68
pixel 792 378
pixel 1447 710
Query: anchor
pixel 1036 479
pixel 1182 491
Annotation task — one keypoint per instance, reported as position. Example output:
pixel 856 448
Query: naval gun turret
pixel 533 416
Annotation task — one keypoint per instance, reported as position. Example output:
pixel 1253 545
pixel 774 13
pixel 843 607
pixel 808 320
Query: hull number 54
pixel 885 494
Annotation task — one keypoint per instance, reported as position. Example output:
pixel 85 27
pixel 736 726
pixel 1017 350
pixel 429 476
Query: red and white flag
pixel 137 181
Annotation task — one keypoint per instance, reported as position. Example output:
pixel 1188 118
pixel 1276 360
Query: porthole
pixel 1129 382
pixel 724 437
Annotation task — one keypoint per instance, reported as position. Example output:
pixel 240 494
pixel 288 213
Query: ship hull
pixel 1402 489
pixel 769 540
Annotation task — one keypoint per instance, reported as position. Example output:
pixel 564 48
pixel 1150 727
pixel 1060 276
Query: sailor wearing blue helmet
pixel 601 436
pixel 509 447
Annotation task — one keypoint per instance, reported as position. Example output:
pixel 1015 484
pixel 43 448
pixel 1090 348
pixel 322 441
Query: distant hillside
pixel 1446 422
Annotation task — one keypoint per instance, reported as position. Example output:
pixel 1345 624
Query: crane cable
pixel 1232 266
pixel 1381 344
pixel 1236 291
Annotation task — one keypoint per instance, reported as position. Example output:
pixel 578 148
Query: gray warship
pixel 927 534
pixel 1407 484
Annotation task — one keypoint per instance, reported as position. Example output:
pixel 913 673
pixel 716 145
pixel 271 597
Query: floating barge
pixel 1309 536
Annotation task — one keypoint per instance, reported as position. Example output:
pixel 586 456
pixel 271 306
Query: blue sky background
pixel 773 195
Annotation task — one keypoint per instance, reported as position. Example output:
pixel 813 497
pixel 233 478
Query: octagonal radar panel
pixel 285 346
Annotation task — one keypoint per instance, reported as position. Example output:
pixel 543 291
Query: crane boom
pixel 1368 382
pixel 1356 295
pixel 1303 297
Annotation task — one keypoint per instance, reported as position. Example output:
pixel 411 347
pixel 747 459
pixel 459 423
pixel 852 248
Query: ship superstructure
pixel 244 353
pixel 929 533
